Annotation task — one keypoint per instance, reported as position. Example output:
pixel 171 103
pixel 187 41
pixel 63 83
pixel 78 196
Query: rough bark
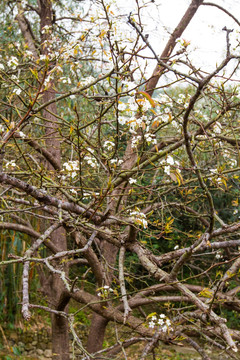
pixel 60 334
pixel 96 333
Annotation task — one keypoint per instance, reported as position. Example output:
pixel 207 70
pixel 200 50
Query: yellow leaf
pixel 206 292
pixel 235 202
pixel 155 124
pixel 148 97
pixel 34 72
pixel 151 315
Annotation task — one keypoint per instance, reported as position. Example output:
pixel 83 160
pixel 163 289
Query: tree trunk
pixel 99 323
pixel 96 333
pixel 57 300
pixel 60 339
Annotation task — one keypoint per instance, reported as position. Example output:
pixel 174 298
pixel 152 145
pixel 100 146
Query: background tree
pixel 114 181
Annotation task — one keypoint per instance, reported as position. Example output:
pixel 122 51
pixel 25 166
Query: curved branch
pixel 26 230
pixel 48 156
pixel 222 9
pixel 43 197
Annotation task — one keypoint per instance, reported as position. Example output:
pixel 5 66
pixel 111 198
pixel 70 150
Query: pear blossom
pixel 21 134
pixel 91 161
pixel 17 91
pixel 104 291
pixel 150 138
pixel 132 181
pixel 10 164
pixel 139 218
pixel 217 128
pixel 108 145
pixel 152 324
pixel 160 321
pixel 13 62
pixel 71 167
pixel 163 323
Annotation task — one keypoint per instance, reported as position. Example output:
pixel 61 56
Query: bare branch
pixel 222 9
pixel 127 308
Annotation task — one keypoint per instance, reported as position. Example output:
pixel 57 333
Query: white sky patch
pixel 208 40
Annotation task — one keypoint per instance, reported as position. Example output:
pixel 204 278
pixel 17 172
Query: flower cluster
pixel 162 322
pixel 10 165
pixel 108 145
pixel 217 180
pixel 168 163
pixel 132 181
pixel 71 167
pixel 139 218
pixel 91 161
pixel 13 62
pixel 17 91
pixel 218 255
pixel 116 162
pixel 105 291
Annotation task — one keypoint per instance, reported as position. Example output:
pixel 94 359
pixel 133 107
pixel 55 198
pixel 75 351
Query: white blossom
pixel 43 57
pixel 13 62
pixel 164 328
pixel 65 80
pixel 168 322
pixel 10 165
pixel 28 53
pixel 139 218
pixel 167 110
pixel 71 167
pixel 217 128
pixel 135 141
pixel 17 91
pixel 122 106
pixel 150 138
pixel 104 291
pixel 160 322
pixel 21 134
pixel 73 191
pixel 91 161
pixel 218 255
pixel 87 81
pixel 163 323
pixel 108 145
pixel 132 181
pixel 122 120
pixel 152 324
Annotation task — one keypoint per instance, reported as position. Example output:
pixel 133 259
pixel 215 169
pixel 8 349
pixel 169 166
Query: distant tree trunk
pixel 56 288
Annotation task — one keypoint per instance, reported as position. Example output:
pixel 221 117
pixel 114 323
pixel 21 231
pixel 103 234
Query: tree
pixel 118 178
